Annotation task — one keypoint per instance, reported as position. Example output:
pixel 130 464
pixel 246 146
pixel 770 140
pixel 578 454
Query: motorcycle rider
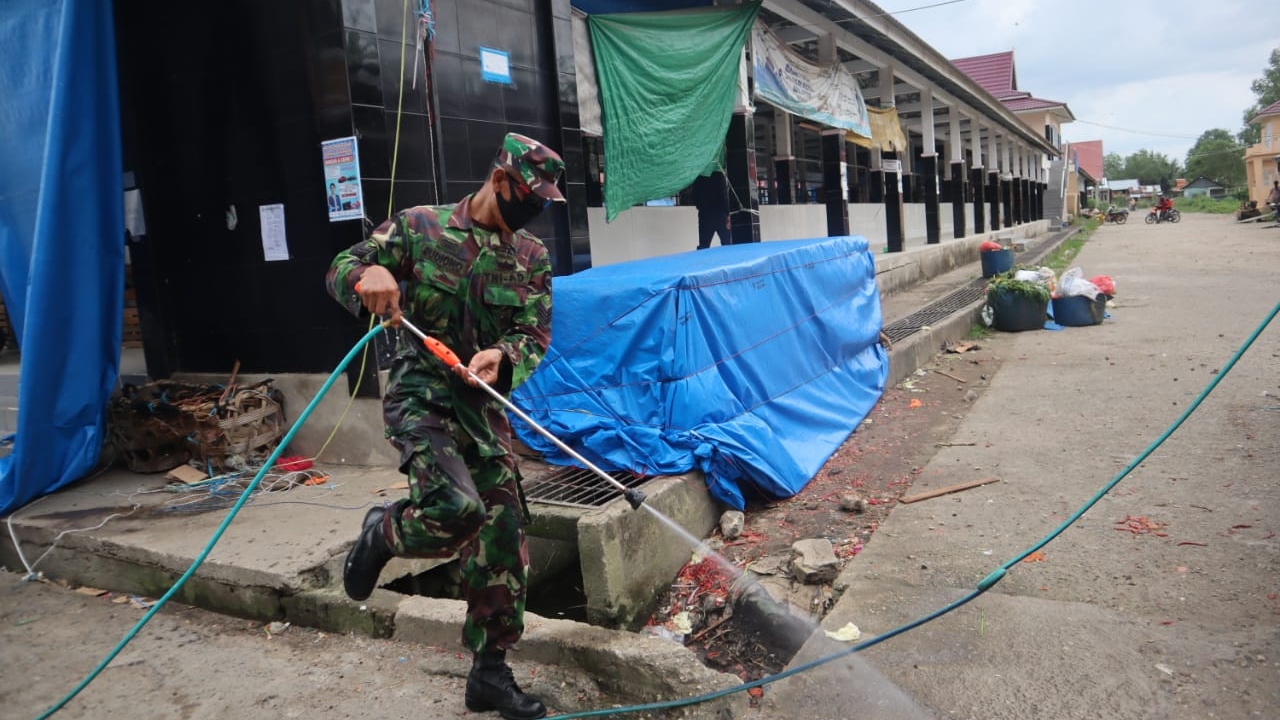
pixel 1163 207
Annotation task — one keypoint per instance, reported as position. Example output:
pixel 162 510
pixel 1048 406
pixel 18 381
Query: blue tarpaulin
pixel 750 362
pixel 61 235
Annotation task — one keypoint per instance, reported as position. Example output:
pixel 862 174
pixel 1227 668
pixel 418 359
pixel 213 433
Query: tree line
pixel 1217 154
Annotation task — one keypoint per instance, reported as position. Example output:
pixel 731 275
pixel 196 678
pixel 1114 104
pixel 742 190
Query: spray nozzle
pixel 635 497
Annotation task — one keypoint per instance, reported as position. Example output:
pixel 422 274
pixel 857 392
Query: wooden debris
pixel 946 490
pixel 186 475
pixel 953 377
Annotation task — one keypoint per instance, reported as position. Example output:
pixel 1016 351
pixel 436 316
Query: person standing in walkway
pixel 711 197
pixel 475 280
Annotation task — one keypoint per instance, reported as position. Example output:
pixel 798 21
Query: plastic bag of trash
pixel 1027 276
pixel 1105 284
pixel 1073 283
pixel 1048 278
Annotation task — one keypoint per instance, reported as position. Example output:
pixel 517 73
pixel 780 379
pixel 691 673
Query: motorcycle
pixel 1116 215
pixel 1172 216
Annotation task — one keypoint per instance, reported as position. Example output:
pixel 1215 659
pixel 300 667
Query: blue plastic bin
pixel 1015 312
pixel 1079 310
pixel 995 262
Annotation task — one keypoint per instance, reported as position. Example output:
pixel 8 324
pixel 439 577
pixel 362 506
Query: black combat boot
pixel 491 686
pixel 367 557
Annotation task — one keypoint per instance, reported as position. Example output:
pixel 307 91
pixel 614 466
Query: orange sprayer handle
pixel 441 351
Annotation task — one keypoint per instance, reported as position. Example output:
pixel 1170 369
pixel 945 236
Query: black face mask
pixel 517 213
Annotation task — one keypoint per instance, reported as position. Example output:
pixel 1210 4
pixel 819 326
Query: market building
pixel 260 138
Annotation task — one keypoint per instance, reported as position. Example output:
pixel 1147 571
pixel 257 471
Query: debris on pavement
pixel 947 490
pixel 848 633
pixel 1140 525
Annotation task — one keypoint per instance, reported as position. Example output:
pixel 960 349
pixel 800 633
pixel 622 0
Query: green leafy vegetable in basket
pixel 1004 283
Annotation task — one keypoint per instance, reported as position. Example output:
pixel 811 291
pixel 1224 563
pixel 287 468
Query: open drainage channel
pixel 754 618
pixel 943 307
pixel 958 299
pixel 558 591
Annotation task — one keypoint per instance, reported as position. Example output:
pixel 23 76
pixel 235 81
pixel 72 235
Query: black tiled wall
pixel 473 115
pixel 235 114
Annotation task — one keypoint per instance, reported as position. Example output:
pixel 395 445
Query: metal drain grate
pixel 930 314
pixel 576 487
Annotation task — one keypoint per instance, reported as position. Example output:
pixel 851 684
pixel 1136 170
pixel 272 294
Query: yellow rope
pixel 395 154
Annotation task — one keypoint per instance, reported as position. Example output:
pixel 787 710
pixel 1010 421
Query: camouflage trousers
pixel 465 503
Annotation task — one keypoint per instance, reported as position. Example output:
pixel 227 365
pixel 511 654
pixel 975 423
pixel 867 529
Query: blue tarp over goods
pixel 752 363
pixel 61 235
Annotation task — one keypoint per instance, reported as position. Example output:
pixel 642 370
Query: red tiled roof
pixel 1272 109
pixel 1089 155
pixel 1031 103
pixel 993 72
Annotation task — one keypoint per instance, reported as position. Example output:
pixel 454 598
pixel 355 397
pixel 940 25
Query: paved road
pixel 1163 601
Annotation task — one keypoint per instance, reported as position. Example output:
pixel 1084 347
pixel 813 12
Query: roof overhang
pixel 867 31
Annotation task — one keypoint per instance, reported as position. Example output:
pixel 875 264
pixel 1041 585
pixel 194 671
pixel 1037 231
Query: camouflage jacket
pixel 469 287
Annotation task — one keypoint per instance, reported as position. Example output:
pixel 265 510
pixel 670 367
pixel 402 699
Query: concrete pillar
pixel 784 160
pixel 957 199
pixel 929 177
pixel 993 199
pixel 979 200
pixel 1006 194
pixel 993 180
pixel 835 182
pixel 1015 187
pixel 895 235
pixel 740 161
pixel 955 155
pixel 875 184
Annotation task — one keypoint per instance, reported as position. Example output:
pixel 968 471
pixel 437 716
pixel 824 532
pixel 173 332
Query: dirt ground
pixel 844 503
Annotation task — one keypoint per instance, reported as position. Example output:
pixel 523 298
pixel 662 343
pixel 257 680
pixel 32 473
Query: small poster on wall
pixel 495 66
pixel 275 246
pixel 342 179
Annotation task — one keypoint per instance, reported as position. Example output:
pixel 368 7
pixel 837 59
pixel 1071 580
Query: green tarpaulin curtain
pixel 668 82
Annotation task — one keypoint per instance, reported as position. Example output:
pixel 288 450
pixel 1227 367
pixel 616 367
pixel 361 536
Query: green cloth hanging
pixel 668 83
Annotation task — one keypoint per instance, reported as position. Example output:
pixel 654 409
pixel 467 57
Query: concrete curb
pixel 631 668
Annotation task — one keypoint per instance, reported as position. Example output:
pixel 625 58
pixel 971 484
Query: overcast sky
pixel 1136 75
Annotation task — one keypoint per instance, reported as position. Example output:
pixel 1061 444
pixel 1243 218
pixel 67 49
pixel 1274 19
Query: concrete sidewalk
pixel 1172 617
pixel 282 556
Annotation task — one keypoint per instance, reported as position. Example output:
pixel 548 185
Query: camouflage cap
pixel 529 160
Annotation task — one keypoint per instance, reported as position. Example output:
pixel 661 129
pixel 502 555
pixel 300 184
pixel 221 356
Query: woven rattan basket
pixel 239 433
pixel 148 424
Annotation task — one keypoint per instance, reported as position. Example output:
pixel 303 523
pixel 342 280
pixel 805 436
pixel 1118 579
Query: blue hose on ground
pixel 986 584
pixel 226 522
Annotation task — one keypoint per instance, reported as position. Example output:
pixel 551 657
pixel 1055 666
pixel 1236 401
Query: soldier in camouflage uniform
pixel 479 283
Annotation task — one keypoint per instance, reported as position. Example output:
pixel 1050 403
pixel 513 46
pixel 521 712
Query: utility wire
pixel 1138 132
